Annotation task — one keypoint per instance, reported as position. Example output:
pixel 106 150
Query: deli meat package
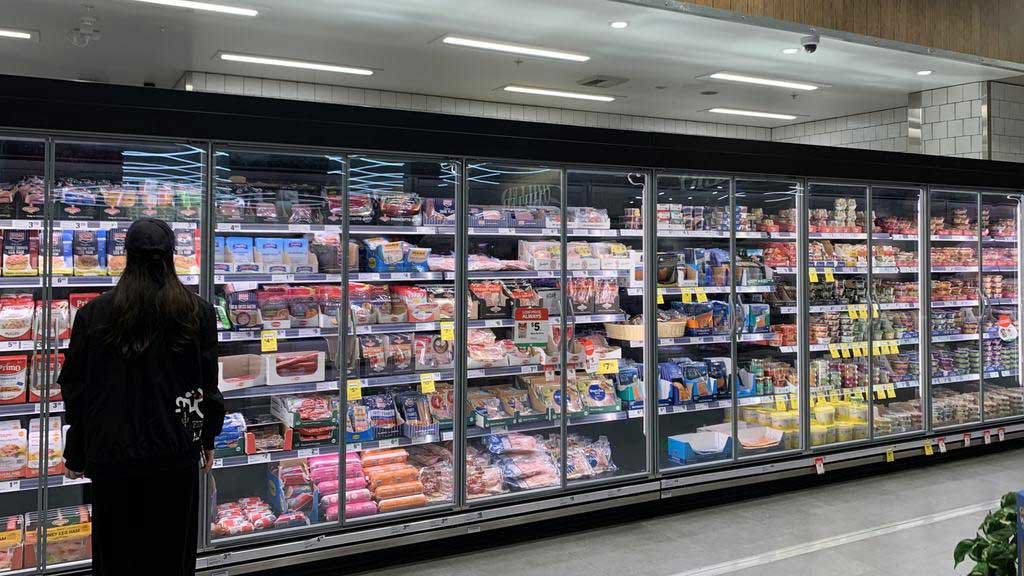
pixel 13 379
pixel 16 317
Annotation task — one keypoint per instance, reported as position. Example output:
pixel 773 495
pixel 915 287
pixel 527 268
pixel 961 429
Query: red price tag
pixel 1001 432
pixel 942 445
pixel 967 439
pixel 819 465
pixel 987 435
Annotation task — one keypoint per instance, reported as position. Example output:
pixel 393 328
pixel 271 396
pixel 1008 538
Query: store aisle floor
pixel 828 530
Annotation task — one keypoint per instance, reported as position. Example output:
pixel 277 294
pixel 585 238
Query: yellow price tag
pixel 448 331
pixel 354 389
pixel 856 351
pixel 894 346
pixel 427 382
pixel 833 395
pixel 812 275
pixel 661 298
pixel 687 295
pixel 828 275
pixel 890 455
pixel 862 311
pixel 890 391
pixel 833 350
pixel 794 402
pixel 874 310
pixel 780 403
pixel 845 350
pixel 876 349
pixel 702 296
pixel 879 392
pixel 928 450
pixel 608 366
pixel 851 310
pixel 268 341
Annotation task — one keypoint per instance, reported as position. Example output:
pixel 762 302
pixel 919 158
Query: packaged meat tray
pixel 307 410
pixel 68 535
pixel 295 367
pixel 239 372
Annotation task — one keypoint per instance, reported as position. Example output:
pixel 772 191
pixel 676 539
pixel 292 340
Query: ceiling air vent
pixel 602 81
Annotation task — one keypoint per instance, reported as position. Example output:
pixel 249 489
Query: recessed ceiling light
pixel 514 49
pixel 743 78
pixel 754 113
pixel 294 64
pixel 558 93
pixel 204 6
pixel 19 34
pixel 619 24
pixel 924 72
pixel 790 50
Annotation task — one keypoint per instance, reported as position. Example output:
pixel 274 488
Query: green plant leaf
pixel 960 552
pixel 978 549
pixel 980 569
pixel 1009 500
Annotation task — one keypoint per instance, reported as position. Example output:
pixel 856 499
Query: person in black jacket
pixel 140 393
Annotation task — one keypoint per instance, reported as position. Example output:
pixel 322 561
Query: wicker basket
pixel 635 332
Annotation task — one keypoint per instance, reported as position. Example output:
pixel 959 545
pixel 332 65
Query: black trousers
pixel 146 523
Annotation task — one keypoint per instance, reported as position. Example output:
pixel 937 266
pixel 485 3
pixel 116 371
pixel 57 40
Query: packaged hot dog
pixel 398 490
pixel 402 503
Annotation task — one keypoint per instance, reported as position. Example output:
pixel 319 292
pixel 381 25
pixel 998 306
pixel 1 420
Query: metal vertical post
pixel 207 229
pixel 344 327
pixel 649 219
pixel 983 304
pixel 924 304
pixel 1020 269
pixel 460 382
pixel 563 352
pixel 733 324
pixel 803 316
pixel 869 220
pixel 43 499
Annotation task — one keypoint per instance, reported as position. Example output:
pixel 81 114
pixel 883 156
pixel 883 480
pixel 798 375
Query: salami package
pixel 244 309
pixel 156 201
pixel 118 201
pixel 76 200
pixel 117 255
pixel 21 253
pixel 61 261
pixel 186 260
pixel 30 199
pixel 187 200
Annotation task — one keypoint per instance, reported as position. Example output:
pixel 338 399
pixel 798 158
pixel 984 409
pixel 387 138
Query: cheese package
pixel 13 379
pixel 90 252
pixel 16 312
pixel 13 451
pixel 239 255
pixel 61 261
pixel 298 256
pixel 21 253
pixel 186 260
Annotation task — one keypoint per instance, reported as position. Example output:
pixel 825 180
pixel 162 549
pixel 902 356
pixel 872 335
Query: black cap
pixel 150 235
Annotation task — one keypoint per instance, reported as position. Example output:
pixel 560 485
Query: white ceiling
pixel 399 38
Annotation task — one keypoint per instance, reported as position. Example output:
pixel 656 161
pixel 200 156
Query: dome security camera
pixel 810 42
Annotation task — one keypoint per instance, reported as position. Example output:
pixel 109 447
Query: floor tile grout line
pixel 732 566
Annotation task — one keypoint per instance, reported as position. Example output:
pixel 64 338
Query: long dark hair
pixel 152 306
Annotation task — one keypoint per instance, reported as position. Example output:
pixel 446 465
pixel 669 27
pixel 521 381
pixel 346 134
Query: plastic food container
pixel 860 430
pixel 859 412
pixel 844 431
pixel 825 414
pixel 818 435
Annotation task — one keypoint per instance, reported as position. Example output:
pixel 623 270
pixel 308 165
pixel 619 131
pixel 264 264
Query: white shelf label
pixel 10 486
pixel 389 443
pixel 499 429
pixel 307 452
pixel 280 278
pixel 357 447
pixel 70 482
pixel 258 458
pixel 326 386
pixel 56 406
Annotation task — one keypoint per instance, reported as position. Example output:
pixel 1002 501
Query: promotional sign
pixel 532 326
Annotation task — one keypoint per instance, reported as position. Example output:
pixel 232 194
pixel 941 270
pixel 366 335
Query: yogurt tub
pixel 844 431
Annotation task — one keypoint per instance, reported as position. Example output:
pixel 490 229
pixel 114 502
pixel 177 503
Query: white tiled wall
pixel 880 130
pixel 1007 121
pixel 243 85
pixel 951 121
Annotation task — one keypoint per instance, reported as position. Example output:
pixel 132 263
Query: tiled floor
pixel 683 543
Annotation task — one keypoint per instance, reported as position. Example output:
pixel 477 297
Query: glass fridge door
pixel 694 321
pixel 99 189
pixel 896 315
pixel 517 305
pixel 401 350
pixel 767 350
pixel 277 280
pixel 1000 282
pixel 604 224
pixel 22 168
pixel 954 318
pixel 839 313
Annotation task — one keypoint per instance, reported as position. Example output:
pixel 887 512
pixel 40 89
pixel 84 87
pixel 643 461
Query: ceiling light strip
pixel 18 34
pixel 743 78
pixel 287 63
pixel 753 113
pixel 558 93
pixel 205 6
pixel 514 49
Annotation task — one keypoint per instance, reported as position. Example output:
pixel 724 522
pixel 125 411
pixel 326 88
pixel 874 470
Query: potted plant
pixel 994 547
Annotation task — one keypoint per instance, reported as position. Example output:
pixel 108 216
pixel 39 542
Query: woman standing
pixel 140 391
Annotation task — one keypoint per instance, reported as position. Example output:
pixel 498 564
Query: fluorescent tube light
pixel 558 93
pixel 19 34
pixel 204 6
pixel 924 72
pixel 294 64
pixel 752 113
pixel 790 51
pixel 619 24
pixel 514 49
pixel 730 77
